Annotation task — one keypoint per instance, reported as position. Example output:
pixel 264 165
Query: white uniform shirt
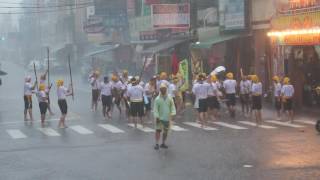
pixel 149 90
pixel 172 90
pixel 277 89
pixel 106 89
pixel 94 83
pixel 62 92
pixel 27 89
pixel 200 90
pixel 213 89
pixel 230 86
pixel 135 93
pixel 287 90
pixel 118 85
pixel 42 96
pixel 256 88
pixel 245 87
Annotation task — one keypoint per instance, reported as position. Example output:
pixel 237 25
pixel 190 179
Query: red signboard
pixel 171 16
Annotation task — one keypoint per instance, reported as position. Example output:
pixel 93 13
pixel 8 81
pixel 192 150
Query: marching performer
pixel 230 86
pixel 245 88
pixel 106 97
pixel 117 91
pixel 200 90
pixel 94 82
pixel 256 92
pixel 213 93
pixel 287 93
pixel 277 95
pixel 164 109
pixel 43 79
pixel 150 91
pixel 135 95
pixel 28 90
pixel 62 93
pixel 162 79
pixel 43 102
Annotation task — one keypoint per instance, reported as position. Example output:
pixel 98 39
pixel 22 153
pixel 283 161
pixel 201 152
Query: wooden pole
pixel 35 73
pixel 48 66
pixel 71 77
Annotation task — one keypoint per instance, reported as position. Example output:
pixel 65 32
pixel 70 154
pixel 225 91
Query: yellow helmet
pixel 255 78
pixel 286 80
pixel 42 87
pixel 229 75
pixel 59 82
pixel 276 78
pixel 125 72
pixel 114 78
pixel 214 78
pixel 163 76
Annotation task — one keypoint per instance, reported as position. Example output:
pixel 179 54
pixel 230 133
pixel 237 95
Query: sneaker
pixel 164 146
pixel 156 147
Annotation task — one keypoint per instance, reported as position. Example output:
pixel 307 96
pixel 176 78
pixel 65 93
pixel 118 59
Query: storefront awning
pixel 102 49
pixel 163 46
pixel 215 40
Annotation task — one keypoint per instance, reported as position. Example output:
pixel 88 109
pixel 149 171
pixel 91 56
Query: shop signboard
pixel 287 5
pixel 233 14
pixel 306 39
pixel 174 16
pixel 298 21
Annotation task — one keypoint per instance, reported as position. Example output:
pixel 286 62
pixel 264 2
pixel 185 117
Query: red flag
pixel 175 63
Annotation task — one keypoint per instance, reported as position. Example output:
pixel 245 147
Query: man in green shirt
pixel 163 109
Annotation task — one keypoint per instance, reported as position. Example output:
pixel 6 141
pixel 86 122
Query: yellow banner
pixel 299 21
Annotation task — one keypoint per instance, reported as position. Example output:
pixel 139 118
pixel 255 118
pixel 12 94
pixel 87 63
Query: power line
pixel 47 11
pixel 43 7
pixel 35 4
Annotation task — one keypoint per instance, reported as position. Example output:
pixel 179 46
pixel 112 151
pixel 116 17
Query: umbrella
pixel 2 73
pixel 218 70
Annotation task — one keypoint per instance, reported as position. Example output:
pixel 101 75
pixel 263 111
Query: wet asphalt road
pixel 86 151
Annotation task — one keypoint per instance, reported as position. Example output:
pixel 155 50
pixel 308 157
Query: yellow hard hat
pixel 163 75
pixel 42 87
pixel 214 78
pixel 255 78
pixel 276 78
pixel 114 78
pixel 59 82
pixel 229 75
pixel 286 80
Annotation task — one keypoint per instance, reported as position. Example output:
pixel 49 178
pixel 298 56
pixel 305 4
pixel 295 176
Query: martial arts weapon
pixel 71 77
pixel 48 66
pixel 35 73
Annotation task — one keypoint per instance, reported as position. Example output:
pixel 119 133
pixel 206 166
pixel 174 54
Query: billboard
pixel 171 16
pixel 233 14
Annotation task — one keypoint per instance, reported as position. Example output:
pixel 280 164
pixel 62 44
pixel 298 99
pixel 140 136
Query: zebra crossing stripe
pixel 197 125
pixel 81 130
pixel 111 128
pixel 16 134
pixel 285 124
pixel 229 125
pixel 310 122
pixel 145 129
pixel 255 125
pixel 178 128
pixel 49 132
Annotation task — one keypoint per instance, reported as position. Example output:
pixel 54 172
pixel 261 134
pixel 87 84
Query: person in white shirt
pixel 117 91
pixel 256 92
pixel 135 95
pixel 62 93
pixel 230 86
pixel 94 82
pixel 27 97
pixel 150 92
pixel 200 90
pixel 43 102
pixel 287 93
pixel 106 97
pixel 277 95
pixel 212 100
pixel 245 88
pixel 43 79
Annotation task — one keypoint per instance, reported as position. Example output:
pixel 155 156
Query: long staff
pixel 48 59
pixel 35 74
pixel 71 77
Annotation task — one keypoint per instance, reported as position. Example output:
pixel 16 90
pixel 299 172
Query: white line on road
pixel 139 126
pixel 310 122
pixel 16 134
pixel 255 125
pixel 229 125
pixel 285 124
pixel 47 120
pixel 178 128
pixel 197 125
pixel 111 128
pixel 81 130
pixel 49 132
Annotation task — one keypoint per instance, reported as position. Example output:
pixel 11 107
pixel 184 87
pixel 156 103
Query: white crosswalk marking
pixel 145 129
pixel 285 124
pixel 178 128
pixel 81 130
pixel 111 128
pixel 310 122
pixel 16 134
pixel 49 132
pixel 197 125
pixel 255 125
pixel 229 125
